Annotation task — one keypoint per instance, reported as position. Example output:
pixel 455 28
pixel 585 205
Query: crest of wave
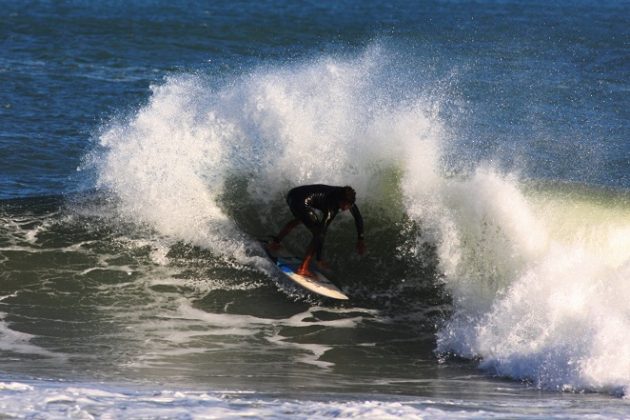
pixel 327 120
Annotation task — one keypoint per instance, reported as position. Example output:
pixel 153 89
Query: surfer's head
pixel 347 197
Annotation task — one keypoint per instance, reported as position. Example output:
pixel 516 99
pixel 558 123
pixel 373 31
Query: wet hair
pixel 347 194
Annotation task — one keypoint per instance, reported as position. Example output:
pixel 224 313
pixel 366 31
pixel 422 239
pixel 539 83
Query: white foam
pixel 172 334
pixel 37 399
pixel 19 342
pixel 539 295
pixel 223 320
pixel 58 400
pixel 15 386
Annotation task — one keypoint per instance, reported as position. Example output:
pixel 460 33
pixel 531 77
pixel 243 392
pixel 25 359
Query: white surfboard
pixel 319 284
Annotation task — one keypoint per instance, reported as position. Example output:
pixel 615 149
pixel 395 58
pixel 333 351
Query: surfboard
pixel 288 264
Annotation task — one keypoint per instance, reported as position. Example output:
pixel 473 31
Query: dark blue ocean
pixel 145 145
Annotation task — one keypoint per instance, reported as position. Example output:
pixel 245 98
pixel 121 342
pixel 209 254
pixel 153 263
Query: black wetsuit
pixel 316 206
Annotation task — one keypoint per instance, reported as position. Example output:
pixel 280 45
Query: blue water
pixel 534 84
pixel 143 143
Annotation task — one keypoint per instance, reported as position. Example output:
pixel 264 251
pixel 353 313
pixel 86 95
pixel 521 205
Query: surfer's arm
pixel 358 223
pixel 358 220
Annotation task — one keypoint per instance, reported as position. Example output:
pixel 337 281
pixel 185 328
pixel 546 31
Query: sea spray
pixel 155 164
pixel 328 120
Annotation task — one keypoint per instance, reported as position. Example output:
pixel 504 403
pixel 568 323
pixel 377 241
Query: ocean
pixel 146 146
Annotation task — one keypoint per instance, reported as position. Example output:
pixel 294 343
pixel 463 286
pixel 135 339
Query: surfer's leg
pixel 303 269
pixel 322 265
pixel 286 230
pixel 321 235
pixel 320 262
pixel 274 245
pixel 309 217
pixel 298 211
pixel 314 249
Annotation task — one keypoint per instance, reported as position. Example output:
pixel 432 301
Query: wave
pixel 538 276
pixel 539 282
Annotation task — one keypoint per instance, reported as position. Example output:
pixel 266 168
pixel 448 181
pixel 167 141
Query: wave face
pixel 537 274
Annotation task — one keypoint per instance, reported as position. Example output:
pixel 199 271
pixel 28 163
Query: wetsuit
pixel 316 206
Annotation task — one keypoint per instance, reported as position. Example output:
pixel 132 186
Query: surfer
pixel 316 206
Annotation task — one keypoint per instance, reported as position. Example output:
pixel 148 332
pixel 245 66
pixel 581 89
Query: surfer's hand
pixel 361 248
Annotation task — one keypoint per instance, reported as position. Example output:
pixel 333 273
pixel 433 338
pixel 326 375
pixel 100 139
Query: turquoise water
pixel 145 146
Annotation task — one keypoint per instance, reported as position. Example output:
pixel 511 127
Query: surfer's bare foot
pixel 305 272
